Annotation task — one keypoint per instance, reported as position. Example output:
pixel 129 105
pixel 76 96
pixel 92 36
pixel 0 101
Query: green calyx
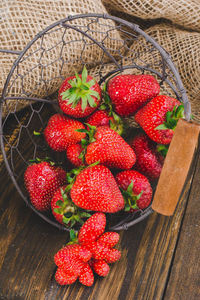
pixel 81 90
pixel 172 118
pixel 38 160
pixel 130 198
pixel 88 140
pixel 162 149
pixel 71 213
pixel 117 123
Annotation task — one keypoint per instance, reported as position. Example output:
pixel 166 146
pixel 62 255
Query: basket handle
pixel 176 166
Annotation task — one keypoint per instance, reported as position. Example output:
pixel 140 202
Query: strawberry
pixel 159 118
pixel 67 259
pixel 61 132
pixel 109 239
pixel 93 250
pixel 98 250
pixel 41 181
pixel 112 255
pixel 100 267
pixel 100 118
pixel 86 277
pixel 62 277
pixel 135 188
pixel 95 189
pixel 73 155
pixel 128 93
pixel 149 160
pixel 92 228
pixel 110 149
pixel 79 95
pixel 64 210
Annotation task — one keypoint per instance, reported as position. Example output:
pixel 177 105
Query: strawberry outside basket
pixel 47 59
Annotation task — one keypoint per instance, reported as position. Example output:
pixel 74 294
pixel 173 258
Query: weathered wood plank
pixel 184 279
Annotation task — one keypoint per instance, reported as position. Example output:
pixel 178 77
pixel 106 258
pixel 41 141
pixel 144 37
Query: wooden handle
pixel 176 167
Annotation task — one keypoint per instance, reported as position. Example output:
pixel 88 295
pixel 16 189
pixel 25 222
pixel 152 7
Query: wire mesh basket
pixel 106 45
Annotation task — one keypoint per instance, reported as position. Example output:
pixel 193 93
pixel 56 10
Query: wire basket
pixel 117 46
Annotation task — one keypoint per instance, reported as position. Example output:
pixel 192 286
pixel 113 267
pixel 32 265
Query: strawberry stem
pixel 172 118
pixel 81 90
pixel 130 198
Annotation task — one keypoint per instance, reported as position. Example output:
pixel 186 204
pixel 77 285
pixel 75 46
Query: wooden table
pixel 160 256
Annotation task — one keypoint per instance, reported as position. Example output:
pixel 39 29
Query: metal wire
pixel 17 152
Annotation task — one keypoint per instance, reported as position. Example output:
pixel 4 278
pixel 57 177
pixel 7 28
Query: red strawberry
pixel 109 239
pixel 86 277
pixel 112 256
pixel 100 118
pixel 79 95
pixel 110 149
pixel 41 181
pixel 62 277
pixel 159 118
pixel 95 189
pixel 61 132
pixel 98 250
pixel 149 161
pixel 136 189
pixel 100 267
pixel 92 228
pixel 130 92
pixel 68 259
pixel 73 153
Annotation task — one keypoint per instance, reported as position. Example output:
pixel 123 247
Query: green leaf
pixel 84 74
pixel 137 197
pixel 91 83
pixel 161 127
pixel 90 126
pixel 94 164
pixel 83 103
pixel 84 142
pixel 85 215
pixel 91 101
pixel 58 211
pixel 102 107
pixel 66 220
pixel 95 94
pixel 82 130
pixel 127 207
pixel 36 133
pixel 73 222
pixel 162 149
pixel 180 111
pixel 59 203
pixel 168 116
pixel 130 188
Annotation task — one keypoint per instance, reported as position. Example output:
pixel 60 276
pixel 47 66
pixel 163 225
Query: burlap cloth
pixel 175 25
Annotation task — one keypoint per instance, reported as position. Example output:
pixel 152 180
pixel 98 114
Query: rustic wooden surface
pixel 160 256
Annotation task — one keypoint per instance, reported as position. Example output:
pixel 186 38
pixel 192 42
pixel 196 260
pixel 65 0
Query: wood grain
pixel 176 166
pixel 184 279
pixel 28 245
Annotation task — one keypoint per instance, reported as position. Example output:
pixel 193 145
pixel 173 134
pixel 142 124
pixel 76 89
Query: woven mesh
pixel 183 12
pixel 57 54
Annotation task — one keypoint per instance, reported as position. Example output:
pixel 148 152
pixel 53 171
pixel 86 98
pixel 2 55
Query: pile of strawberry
pixel 93 250
pixel 111 172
